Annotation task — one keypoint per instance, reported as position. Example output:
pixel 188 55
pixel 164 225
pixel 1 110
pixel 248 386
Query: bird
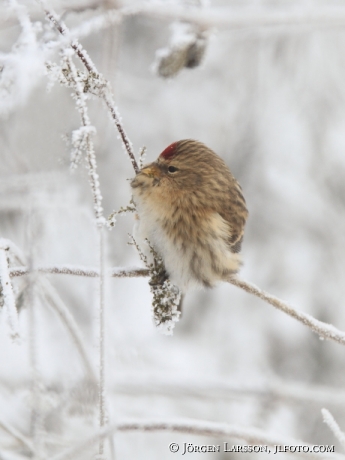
pixel 192 211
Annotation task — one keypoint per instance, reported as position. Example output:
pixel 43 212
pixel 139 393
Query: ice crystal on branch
pixel 142 156
pixel 7 298
pixel 166 296
pixel 21 68
pixel 79 142
pixel 111 221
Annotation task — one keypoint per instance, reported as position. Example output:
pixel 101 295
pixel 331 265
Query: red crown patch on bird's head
pixel 169 152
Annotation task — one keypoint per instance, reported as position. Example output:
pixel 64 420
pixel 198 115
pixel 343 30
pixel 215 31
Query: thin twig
pixel 101 392
pixel 115 272
pixel 209 389
pixel 220 17
pixel 324 330
pixel 90 151
pixel 333 426
pixel 251 435
pixel 62 28
pixel 108 99
pixel 105 93
pixel 17 435
pixel 57 304
pixel 235 18
pixel 6 291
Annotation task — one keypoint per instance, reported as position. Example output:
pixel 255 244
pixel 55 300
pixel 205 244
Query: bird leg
pixel 158 278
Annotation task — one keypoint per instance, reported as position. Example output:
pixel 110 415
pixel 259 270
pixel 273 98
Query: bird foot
pixel 158 280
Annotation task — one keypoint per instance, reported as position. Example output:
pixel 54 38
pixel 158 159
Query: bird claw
pixel 158 280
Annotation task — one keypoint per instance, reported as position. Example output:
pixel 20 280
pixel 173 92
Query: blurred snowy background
pixel 269 97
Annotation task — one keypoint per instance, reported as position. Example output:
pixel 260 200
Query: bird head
pixel 183 166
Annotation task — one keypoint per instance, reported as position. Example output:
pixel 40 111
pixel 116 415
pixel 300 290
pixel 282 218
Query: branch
pixel 115 272
pixel 324 330
pixel 276 390
pixel 234 18
pixel 6 291
pixel 333 426
pixel 17 435
pixel 68 320
pixel 89 147
pixel 221 17
pixel 251 435
pixel 105 92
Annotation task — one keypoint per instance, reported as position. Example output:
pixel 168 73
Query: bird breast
pixel 192 242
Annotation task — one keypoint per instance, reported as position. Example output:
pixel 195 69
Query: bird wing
pixel 235 213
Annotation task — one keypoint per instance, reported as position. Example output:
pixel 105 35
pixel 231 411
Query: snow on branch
pixel 103 21
pixel 324 330
pixel 83 137
pixel 6 290
pixel 17 435
pixel 114 272
pixel 239 18
pixel 220 17
pixel 53 298
pixel 276 390
pixel 251 435
pixel 97 82
pixel 21 68
pixel 333 426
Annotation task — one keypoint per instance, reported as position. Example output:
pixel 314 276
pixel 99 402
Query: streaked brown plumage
pixel 193 212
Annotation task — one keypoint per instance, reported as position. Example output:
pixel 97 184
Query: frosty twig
pixel 324 330
pixel 250 435
pixel 17 435
pixel 333 426
pixel 50 294
pixel 115 272
pixel 104 88
pixel 6 291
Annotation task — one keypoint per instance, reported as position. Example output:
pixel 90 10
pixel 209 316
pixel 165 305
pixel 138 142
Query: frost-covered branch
pixel 220 17
pixel 6 291
pixel 238 18
pixel 83 137
pixel 17 435
pixel 251 435
pixel 57 304
pixel 324 330
pixel 25 58
pixel 208 389
pixel 333 426
pixel 114 272
pixel 103 86
pixel 101 319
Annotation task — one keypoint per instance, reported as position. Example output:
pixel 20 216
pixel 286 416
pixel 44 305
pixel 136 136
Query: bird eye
pixel 172 169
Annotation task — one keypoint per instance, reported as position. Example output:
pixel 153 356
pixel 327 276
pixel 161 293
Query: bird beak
pixel 151 170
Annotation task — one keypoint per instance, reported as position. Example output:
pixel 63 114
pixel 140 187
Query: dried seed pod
pixel 171 61
pixel 196 52
pixel 186 49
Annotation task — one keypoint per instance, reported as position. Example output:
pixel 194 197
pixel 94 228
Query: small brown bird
pixel 192 211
